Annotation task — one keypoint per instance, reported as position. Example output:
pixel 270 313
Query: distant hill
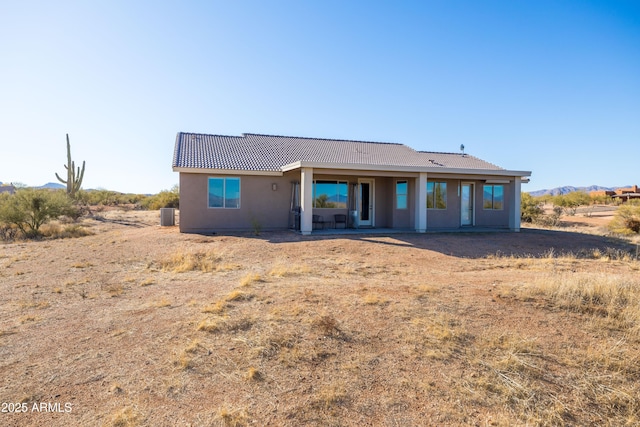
pixel 53 185
pixel 558 191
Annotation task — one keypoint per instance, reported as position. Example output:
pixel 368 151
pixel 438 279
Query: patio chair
pixel 317 219
pixel 340 219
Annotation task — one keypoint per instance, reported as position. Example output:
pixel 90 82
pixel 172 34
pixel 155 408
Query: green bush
pixel 530 208
pixel 28 209
pixel 572 201
pixel 164 199
pixel 626 219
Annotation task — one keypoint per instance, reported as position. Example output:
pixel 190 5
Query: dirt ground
pixel 282 329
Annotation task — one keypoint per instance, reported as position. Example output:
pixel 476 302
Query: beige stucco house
pixel 279 182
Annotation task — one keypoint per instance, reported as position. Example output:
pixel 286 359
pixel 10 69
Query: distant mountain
pixel 558 191
pixel 53 185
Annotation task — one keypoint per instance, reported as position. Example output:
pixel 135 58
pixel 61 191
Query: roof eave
pixel 213 171
pixel 392 168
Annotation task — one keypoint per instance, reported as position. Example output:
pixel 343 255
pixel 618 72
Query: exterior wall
pixel 493 218
pixel 449 217
pixel 258 203
pixel 384 201
pixel 261 205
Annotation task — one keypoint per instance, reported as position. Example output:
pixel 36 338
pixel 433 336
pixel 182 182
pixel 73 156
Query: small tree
pixel 29 209
pixel 572 201
pixel 530 208
pixel 164 199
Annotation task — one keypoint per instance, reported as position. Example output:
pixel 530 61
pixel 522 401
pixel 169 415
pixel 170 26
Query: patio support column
pixel 306 199
pixel 514 208
pixel 421 203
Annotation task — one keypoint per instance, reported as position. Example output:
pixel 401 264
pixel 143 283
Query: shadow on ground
pixel 529 242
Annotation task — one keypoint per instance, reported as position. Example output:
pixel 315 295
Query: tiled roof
pixel 253 152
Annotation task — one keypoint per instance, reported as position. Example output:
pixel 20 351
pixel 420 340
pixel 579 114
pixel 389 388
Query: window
pixel 224 193
pixel 330 194
pixel 401 194
pixel 436 195
pixel 493 196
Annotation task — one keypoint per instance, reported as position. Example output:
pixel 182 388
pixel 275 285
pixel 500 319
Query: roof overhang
pixel 227 171
pixel 406 169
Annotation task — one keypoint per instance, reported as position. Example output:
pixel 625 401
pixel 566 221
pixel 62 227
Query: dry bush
pixel 56 231
pixel 184 361
pixel 375 299
pixel 210 325
pixel 250 279
pixel 226 324
pixel 218 307
pixel 233 417
pixel 125 417
pixel 238 295
pixel 8 232
pixel 253 374
pixel 333 395
pixel 626 220
pixel 327 325
pixel 181 261
pixel 114 289
pixel 33 304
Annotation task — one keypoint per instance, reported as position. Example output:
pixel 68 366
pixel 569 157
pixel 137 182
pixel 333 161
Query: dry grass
pixel 58 231
pixel 250 279
pixel 233 417
pixel 238 295
pixel 211 325
pixel 125 417
pixel 148 281
pixel 410 330
pixel 163 302
pixel 253 374
pixel 218 307
pixel 289 270
pixel 613 300
pixel 183 261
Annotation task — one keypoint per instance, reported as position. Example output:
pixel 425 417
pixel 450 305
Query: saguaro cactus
pixel 74 180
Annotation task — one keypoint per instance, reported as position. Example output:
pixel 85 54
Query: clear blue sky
pixel 547 86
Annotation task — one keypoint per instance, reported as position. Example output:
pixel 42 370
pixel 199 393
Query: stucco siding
pixel 260 205
pixel 490 217
pixel 449 217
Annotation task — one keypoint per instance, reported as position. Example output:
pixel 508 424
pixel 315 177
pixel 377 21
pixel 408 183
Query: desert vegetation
pixel 136 324
pixel 547 211
pixel 44 213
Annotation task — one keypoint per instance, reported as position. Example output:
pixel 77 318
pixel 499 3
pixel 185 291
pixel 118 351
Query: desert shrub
pixel 164 199
pixel 57 231
pixel 626 220
pixel 8 232
pixel 530 208
pixel 181 261
pixel 29 209
pixel 572 201
pixel 550 220
pixel 602 199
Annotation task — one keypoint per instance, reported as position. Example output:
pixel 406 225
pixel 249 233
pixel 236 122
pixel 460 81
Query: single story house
pixel 267 182
pixel 7 188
